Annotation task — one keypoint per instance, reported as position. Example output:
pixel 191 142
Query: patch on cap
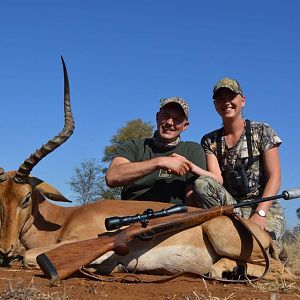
pixel 178 100
pixel 228 83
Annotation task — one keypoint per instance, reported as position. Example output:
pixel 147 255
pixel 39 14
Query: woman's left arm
pixel 273 174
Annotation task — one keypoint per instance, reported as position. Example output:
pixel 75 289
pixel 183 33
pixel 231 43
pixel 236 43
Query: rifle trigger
pixel 146 236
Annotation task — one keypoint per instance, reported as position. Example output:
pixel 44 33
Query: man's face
pixel 229 104
pixel 171 121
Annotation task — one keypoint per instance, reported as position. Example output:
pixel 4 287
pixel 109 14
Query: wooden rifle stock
pixel 63 261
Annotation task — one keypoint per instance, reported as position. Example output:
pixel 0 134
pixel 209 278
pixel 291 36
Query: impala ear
pixel 47 190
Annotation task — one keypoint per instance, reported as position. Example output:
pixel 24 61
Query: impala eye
pixel 26 200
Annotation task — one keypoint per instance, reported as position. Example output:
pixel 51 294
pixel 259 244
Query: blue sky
pixel 123 56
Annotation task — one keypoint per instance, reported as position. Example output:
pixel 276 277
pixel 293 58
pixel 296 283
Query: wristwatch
pixel 261 213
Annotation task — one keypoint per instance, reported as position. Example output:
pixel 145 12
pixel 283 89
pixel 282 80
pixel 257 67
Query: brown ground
pixel 23 281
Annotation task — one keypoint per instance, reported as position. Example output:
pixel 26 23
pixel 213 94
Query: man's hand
pixel 177 164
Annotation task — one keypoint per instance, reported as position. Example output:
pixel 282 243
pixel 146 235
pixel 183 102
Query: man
pixel 161 168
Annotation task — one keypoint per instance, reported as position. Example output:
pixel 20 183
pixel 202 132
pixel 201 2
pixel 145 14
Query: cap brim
pixel 225 87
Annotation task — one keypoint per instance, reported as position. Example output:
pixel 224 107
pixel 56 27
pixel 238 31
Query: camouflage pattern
pixel 208 193
pixel 263 139
pixel 178 100
pixel 228 83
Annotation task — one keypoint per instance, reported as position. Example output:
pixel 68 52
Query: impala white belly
pixel 172 259
pixel 182 252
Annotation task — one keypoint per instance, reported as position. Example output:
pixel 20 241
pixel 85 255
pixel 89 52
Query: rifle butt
pixel 61 262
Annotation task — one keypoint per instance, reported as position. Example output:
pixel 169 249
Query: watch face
pixel 262 213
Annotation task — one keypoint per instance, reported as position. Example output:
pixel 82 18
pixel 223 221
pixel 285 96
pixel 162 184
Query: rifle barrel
pixel 286 195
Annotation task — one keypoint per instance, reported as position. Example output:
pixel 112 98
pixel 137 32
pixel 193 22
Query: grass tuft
pixel 293 251
pixel 207 296
pixel 281 286
pixel 21 292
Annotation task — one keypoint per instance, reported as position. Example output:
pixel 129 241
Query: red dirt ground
pixel 180 288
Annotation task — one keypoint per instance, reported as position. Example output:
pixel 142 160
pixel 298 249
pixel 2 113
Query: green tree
pixel 88 180
pixel 296 230
pixel 134 129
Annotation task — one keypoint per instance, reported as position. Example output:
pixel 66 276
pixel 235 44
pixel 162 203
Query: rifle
pixel 61 262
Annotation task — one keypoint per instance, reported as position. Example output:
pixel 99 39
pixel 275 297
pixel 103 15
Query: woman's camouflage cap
pixel 228 83
pixel 180 101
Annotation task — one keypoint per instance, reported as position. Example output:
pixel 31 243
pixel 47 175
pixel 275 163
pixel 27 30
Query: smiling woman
pixel 246 154
pixel 229 105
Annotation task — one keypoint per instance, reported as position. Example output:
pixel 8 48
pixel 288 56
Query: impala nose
pixel 8 253
pixel 4 261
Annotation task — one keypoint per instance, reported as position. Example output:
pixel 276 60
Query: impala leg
pixel 31 255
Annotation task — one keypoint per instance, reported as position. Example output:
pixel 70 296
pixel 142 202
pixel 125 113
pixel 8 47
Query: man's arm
pixel 121 171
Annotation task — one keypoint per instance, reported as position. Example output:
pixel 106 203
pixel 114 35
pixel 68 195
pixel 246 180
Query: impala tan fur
pixel 216 246
pixel 28 217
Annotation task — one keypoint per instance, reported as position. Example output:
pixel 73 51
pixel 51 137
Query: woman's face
pixel 229 104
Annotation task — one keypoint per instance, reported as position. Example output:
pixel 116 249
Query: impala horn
pixel 25 169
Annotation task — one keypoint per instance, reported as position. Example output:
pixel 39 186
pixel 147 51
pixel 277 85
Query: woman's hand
pixel 261 221
pixel 177 164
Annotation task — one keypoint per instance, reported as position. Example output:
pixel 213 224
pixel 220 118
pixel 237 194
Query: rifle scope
pixel 117 222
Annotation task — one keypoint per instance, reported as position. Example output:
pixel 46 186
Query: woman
pixel 246 155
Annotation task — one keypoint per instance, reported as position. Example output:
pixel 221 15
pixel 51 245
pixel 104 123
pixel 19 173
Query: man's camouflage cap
pixel 228 83
pixel 180 101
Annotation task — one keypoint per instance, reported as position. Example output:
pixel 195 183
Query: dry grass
pixel 21 292
pixel 293 250
pixel 207 296
pixel 277 287
pixel 293 263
